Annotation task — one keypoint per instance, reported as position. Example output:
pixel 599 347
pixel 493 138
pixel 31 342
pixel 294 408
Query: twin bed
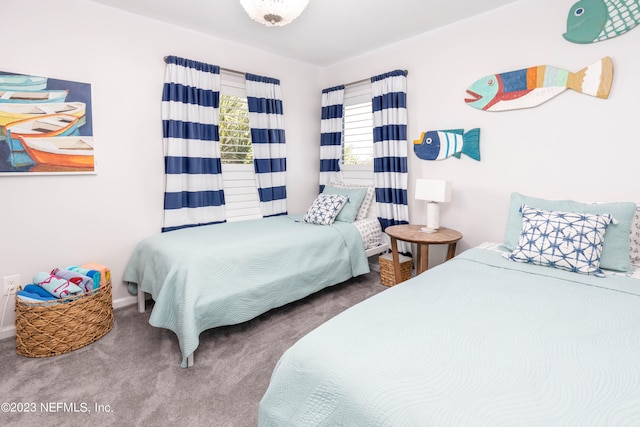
pixel 225 274
pixel 484 339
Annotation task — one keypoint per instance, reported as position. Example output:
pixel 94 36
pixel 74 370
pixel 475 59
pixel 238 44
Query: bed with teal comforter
pixel 476 341
pixel 225 274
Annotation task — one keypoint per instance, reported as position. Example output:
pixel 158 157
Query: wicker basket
pixel 387 273
pixel 49 330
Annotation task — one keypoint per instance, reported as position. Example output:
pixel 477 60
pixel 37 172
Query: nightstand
pixel 412 233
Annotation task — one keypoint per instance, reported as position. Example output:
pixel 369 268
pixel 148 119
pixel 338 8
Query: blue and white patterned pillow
pixel 565 240
pixel 325 209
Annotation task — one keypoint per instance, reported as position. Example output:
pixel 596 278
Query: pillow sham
pixel 355 197
pixel 615 249
pixel 367 208
pixel 566 240
pixel 325 209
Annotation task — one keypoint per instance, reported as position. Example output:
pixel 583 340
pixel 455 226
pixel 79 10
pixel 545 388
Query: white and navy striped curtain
pixel 331 135
pixel 389 105
pixel 266 119
pixel 193 175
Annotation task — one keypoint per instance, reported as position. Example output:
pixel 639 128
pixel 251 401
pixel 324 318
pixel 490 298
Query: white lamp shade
pixel 274 13
pixel 433 190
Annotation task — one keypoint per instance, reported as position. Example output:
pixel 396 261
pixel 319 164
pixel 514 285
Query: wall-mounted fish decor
pixel 591 21
pixel 532 86
pixel 441 144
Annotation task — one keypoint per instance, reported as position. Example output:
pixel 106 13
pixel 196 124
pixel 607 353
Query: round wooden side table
pixel 412 233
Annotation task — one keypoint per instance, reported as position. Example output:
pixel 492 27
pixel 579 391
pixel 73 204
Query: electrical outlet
pixel 10 284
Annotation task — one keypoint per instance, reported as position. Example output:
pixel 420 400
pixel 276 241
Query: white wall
pixel 56 221
pixel 573 146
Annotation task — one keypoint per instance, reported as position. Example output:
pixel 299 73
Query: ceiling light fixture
pixel 274 13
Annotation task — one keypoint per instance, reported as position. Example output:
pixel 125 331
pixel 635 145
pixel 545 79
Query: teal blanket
pixel 476 341
pixel 224 274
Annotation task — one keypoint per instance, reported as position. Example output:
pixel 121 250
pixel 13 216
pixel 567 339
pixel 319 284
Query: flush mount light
pixel 274 13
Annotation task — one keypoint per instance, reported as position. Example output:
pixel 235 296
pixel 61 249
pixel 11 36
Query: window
pixel 235 133
pixel 356 163
pixel 238 176
pixel 357 139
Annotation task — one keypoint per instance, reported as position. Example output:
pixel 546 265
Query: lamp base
pixel 433 218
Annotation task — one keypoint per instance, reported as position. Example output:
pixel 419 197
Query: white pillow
pixel 368 203
pixel 325 209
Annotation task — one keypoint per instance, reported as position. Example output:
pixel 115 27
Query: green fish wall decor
pixel 591 21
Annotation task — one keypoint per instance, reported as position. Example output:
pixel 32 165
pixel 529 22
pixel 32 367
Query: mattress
pixel 476 341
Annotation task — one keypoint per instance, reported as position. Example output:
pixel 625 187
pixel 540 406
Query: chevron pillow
pixel 565 240
pixel 325 209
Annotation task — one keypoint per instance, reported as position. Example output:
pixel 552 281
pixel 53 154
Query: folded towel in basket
pixel 59 288
pixel 35 289
pixel 105 273
pixel 29 297
pixel 75 277
pixel 94 274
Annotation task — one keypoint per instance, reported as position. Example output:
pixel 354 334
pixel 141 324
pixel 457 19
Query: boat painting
pixel 12 112
pixel 8 96
pixel 22 83
pixel 61 151
pixel 46 126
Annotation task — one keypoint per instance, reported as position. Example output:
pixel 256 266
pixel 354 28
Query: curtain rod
pixel 357 82
pixel 228 70
pixel 365 80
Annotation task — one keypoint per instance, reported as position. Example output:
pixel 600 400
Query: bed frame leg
pixel 190 360
pixel 141 305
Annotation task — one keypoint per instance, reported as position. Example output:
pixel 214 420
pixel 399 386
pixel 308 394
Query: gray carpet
pixel 132 376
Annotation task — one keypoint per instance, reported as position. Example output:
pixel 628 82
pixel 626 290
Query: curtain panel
pixel 266 119
pixel 331 126
pixel 193 176
pixel 389 105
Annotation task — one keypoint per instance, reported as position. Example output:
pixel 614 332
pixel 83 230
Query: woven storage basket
pixel 49 330
pixel 387 273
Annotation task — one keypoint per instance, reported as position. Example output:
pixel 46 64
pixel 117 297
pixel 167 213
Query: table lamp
pixel 434 191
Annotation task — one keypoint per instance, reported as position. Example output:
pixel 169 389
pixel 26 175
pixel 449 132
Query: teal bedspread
pixel 476 341
pixel 224 274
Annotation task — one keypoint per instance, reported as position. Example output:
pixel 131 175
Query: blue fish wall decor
pixel 442 144
pixel 591 21
pixel 532 86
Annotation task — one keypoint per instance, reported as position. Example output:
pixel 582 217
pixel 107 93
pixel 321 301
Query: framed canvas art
pixel 45 126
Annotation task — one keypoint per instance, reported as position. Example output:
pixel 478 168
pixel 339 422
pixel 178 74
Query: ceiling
pixel 327 32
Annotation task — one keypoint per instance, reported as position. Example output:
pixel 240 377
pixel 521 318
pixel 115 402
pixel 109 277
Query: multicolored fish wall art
pixel 441 144
pixel 531 87
pixel 591 21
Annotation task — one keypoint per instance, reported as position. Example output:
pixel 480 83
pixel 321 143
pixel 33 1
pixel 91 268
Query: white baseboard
pixel 124 302
pixel 8 332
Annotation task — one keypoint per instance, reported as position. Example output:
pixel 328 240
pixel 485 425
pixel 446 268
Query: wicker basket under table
pixel 387 273
pixel 49 330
